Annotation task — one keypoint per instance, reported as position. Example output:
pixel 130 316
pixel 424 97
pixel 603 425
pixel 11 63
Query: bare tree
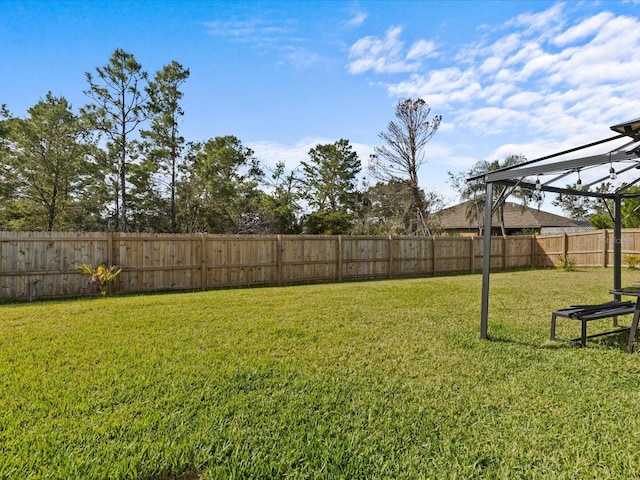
pixel 403 154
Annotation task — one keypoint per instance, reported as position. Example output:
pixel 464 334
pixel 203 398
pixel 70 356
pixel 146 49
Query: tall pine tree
pixel 164 144
pixel 119 107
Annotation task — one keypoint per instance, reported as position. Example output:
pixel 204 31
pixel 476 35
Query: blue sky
pixel 508 77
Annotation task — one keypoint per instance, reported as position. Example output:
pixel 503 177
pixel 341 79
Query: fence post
pixel 504 252
pixel 433 255
pixel 390 259
pixel 532 248
pixel 471 255
pixel 279 259
pixel 203 263
pixel 565 245
pixel 109 248
pixel 339 254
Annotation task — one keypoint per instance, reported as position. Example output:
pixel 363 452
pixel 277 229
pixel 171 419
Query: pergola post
pixel 486 261
pixel 617 242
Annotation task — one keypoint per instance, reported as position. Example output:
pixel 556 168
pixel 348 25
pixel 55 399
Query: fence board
pixel 309 258
pixel 411 256
pixel 585 248
pixel 452 254
pixel 519 251
pixel 548 249
pixel 43 264
pixel 365 257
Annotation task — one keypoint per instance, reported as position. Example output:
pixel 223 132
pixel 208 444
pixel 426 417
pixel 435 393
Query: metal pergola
pixel 621 163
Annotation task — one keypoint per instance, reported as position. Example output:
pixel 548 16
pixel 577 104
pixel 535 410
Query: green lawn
pixel 367 380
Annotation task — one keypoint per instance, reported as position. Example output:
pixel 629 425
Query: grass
pixel 361 380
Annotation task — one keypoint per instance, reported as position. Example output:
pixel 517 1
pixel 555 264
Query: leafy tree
pixel 582 208
pixel 329 182
pixel 403 154
pixel 150 210
pixel 120 106
pixel 601 216
pixel 220 193
pixel 576 207
pixel 50 166
pixel 391 207
pixel 474 191
pixel 6 187
pixel 164 144
pixel 630 209
pixel 280 208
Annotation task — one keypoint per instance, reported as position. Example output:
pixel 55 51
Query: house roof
pixel 515 217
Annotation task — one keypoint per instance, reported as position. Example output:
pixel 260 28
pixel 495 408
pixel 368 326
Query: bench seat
pixel 586 313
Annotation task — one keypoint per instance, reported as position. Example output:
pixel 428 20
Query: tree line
pixel 120 163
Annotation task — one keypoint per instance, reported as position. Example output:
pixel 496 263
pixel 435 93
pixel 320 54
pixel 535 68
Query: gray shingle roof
pixel 515 217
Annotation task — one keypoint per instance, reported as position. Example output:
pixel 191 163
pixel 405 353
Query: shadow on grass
pixel 547 344
pixel 190 474
pixel 613 341
pixel 96 297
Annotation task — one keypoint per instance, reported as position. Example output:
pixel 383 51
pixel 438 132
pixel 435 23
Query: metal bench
pixel 586 313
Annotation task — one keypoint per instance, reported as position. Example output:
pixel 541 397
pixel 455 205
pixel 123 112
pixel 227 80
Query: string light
pixel 612 172
pixel 538 184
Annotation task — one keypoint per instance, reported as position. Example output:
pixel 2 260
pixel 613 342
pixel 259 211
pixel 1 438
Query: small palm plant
pixel 101 275
pixel 567 263
pixel 632 261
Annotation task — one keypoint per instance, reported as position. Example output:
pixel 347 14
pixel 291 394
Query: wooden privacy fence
pixel 36 265
pixel 587 249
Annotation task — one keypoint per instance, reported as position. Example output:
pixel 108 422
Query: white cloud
pixel 533 150
pixel 521 82
pixel 522 100
pixel 299 57
pixel 441 88
pixel 607 58
pixel 496 92
pixel 357 19
pixel 379 55
pixel 506 46
pixel 541 83
pixel 546 23
pixel 491 65
pixel 386 54
pixel 491 120
pixel 245 29
pixel 270 153
pixel 583 30
pixel 421 49
pixel 276 37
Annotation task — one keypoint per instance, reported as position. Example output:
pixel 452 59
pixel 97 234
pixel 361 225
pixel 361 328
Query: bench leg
pixel 553 326
pixel 633 329
pixel 583 336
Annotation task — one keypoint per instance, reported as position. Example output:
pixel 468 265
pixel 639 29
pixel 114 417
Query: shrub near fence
pixel 43 264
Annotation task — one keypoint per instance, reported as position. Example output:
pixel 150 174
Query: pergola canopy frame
pixel 626 158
